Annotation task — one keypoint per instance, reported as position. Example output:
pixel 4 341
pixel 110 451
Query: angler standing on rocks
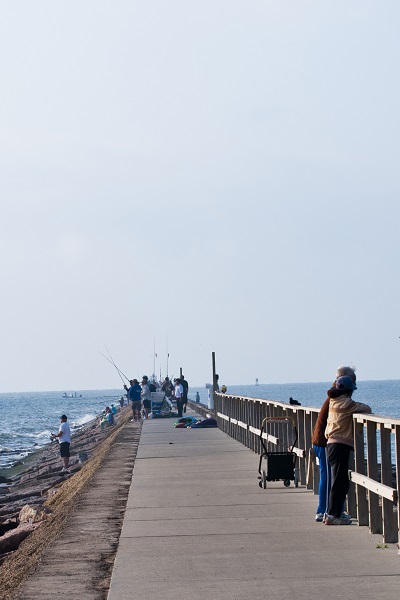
pixel 64 438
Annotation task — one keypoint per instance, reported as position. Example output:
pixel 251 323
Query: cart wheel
pixel 264 480
pixel 296 478
pixel 286 483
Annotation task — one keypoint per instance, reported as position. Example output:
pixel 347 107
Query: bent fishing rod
pixel 114 365
pixel 113 361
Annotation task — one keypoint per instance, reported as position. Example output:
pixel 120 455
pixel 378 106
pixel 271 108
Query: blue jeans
pixel 325 479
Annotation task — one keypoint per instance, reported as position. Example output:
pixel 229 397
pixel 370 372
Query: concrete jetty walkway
pixel 198 527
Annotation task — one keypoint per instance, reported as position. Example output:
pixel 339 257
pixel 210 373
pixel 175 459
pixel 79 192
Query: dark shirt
pixel 318 438
pixel 134 392
pixel 185 386
pixel 167 387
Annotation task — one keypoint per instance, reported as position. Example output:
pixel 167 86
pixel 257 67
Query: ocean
pixel 28 418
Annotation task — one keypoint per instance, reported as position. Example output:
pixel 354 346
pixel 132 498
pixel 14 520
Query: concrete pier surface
pixel 197 526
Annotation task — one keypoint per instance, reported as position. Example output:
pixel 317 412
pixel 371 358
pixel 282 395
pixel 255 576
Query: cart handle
pixel 277 420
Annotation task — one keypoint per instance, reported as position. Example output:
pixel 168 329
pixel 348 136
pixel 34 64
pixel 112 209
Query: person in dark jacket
pixel 134 395
pixel 185 386
pixel 167 387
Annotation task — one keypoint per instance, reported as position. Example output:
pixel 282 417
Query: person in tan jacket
pixel 339 433
pixel 319 446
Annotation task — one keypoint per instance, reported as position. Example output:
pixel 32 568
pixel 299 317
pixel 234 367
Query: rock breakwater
pixel 36 501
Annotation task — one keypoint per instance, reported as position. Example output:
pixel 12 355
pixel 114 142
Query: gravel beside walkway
pixel 74 551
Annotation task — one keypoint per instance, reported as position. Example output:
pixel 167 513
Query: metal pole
pixel 214 380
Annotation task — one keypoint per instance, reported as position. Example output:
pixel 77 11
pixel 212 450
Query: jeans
pixel 324 479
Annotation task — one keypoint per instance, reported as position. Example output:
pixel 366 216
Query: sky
pixel 196 177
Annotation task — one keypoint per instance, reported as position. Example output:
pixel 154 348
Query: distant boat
pixel 74 395
pixel 257 381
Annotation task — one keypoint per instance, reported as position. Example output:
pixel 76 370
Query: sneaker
pixel 345 515
pixel 319 517
pixel 331 520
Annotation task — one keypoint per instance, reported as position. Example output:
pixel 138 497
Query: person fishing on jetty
pixel 146 397
pixel 134 395
pixel 64 439
pixel 109 416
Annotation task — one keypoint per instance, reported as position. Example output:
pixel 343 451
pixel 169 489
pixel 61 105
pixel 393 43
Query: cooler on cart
pixel 279 464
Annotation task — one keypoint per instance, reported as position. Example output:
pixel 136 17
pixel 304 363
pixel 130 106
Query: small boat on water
pixel 74 395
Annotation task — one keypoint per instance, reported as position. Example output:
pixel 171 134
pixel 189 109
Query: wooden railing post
pixel 351 496
pixel 397 465
pixel 390 532
pixel 299 416
pixel 361 492
pixel 375 511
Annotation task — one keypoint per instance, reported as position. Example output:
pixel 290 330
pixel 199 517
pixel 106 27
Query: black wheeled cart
pixel 280 464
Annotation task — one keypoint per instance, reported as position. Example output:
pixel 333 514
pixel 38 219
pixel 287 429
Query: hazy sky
pixel 224 174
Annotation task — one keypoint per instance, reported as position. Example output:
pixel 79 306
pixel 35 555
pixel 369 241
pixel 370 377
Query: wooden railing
pixel 374 468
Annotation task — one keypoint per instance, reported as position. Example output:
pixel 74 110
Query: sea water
pixel 27 419
pixel 382 396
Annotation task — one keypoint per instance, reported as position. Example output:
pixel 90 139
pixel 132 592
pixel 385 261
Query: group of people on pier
pixel 332 435
pixel 139 394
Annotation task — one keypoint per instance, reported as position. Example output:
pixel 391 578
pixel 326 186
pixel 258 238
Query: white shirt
pixel 65 433
pixel 145 394
pixel 178 391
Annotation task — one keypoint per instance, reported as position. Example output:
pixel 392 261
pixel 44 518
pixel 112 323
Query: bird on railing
pixel 294 402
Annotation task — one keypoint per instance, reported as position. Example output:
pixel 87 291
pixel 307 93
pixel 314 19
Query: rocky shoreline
pixel 35 498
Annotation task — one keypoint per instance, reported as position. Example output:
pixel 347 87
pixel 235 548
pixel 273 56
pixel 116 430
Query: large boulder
pixel 12 539
pixel 33 514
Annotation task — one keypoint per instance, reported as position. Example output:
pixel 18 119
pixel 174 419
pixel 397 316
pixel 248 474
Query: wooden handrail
pixel 374 489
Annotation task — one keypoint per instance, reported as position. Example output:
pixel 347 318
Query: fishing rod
pixel 114 365
pixel 123 382
pixel 113 361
